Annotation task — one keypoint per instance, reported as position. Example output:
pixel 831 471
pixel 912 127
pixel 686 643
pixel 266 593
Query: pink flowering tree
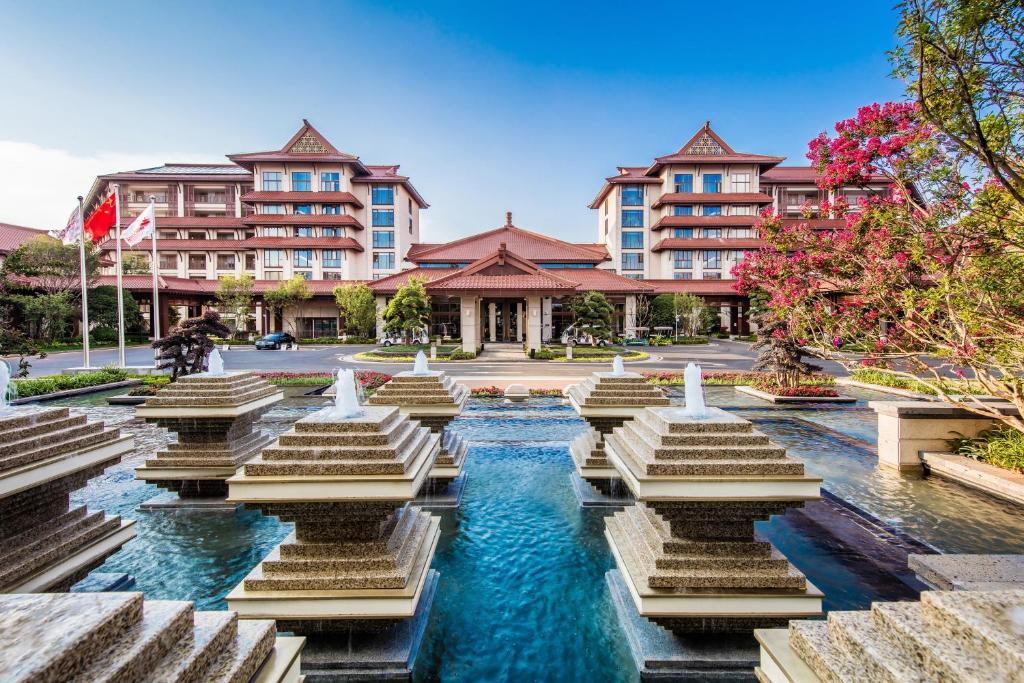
pixel 923 281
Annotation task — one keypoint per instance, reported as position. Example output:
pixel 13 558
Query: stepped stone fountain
pixel 121 637
pixel 605 400
pixel 687 556
pixel 359 559
pixel 46 543
pixel 947 636
pixel 433 399
pixel 213 414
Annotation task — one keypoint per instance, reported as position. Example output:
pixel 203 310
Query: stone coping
pixel 98 550
pixel 157 473
pixel 970 571
pixel 195 410
pixel 935 409
pixel 33 474
pixel 778 660
pixel 995 481
pixel 775 398
pixel 283 665
pixel 420 375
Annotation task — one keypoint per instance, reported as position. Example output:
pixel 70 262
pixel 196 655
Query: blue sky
pixel 488 107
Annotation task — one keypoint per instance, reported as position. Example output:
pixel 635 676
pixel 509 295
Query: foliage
pixel 134 264
pixel 1000 446
pixel 729 378
pixel 688 308
pixel 663 312
pixel 690 340
pixel 487 392
pixel 45 315
pixel 771 386
pixel 359 307
pixel 644 314
pixel 925 277
pixel 234 299
pixel 53 267
pixel 292 293
pixel 337 340
pixel 13 342
pixel 592 310
pixel 185 348
pixel 964 65
pixel 710 321
pixel 409 308
pixel 37 386
pixel 459 354
pixel 887 379
pixel 543 354
pixel 780 353
pixel 103 310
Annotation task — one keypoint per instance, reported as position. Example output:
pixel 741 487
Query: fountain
pixel 694 392
pixel 46 543
pixel 7 388
pixel 419 368
pixel 605 400
pixel 355 575
pixel 120 636
pixel 346 397
pixel 700 484
pixel 433 399
pixel 215 363
pixel 214 414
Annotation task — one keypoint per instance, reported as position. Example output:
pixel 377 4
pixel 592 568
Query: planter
pixel 126 400
pixel 906 393
pixel 774 398
pixel 77 392
pixel 990 479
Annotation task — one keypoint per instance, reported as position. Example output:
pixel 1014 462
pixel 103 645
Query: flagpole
pixel 154 310
pixel 81 270
pixel 117 269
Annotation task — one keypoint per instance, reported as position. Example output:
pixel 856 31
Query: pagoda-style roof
pixel 308 144
pixel 706 146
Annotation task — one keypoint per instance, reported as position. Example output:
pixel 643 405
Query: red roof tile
pixel 707 287
pixel 288 152
pixel 13 236
pixel 692 151
pixel 704 221
pixel 177 245
pixel 804 175
pixel 302 197
pixel 712 198
pixel 599 279
pixel 191 222
pixel 529 245
pixel 302 219
pixel 303 243
pixel 708 243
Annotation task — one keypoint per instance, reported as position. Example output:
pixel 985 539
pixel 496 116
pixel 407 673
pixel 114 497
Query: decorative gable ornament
pixel 309 144
pixel 705 145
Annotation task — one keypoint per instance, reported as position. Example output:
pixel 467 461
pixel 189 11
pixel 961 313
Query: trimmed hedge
pixel 49 384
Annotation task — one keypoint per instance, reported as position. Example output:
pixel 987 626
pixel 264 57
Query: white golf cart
pixel 580 335
pixel 416 336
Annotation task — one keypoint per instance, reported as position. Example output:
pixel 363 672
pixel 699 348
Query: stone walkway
pixel 503 352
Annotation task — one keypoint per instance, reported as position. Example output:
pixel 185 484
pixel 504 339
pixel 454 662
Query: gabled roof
pixel 529 245
pixel 628 175
pixel 706 146
pixel 13 236
pixel 504 271
pixel 308 144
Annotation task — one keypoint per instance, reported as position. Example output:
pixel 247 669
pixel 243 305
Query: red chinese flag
pixel 100 221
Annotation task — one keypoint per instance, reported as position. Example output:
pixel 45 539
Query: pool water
pixel 522 594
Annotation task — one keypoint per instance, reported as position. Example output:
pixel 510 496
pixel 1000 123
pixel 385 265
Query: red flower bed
pixel 371 379
pixel 801 391
pixel 487 392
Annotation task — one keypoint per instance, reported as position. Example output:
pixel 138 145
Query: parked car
pixel 275 340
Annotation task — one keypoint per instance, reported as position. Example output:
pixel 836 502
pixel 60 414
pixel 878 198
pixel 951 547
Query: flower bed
pixel 498 392
pixel 885 379
pixel 727 378
pixel 770 386
pixel 369 379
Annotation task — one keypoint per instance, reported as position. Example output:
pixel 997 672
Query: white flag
pixel 141 228
pixel 70 233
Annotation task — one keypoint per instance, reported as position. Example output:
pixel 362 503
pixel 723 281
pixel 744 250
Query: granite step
pixel 877 655
pixel 346 460
pixel 662 426
pixel 50 421
pixel 346 445
pixel 252 645
pixel 306 425
pixel 929 648
pixel 745 579
pixel 86 438
pixel 30 417
pixel 710 468
pixel 987 621
pixel 140 647
pixel 192 658
pixel 401 525
pixel 46 551
pixel 811 642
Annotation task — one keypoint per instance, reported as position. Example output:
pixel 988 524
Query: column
pixel 519 321
pixel 259 317
pixel 468 323
pixel 629 324
pixel 533 323
pixel 545 319
pixel 382 303
pixel 491 320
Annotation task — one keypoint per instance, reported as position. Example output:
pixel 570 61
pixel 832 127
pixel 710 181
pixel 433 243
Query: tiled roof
pixel 302 219
pixel 704 221
pixel 391 283
pixel 708 243
pixel 181 285
pixel 194 169
pixel 302 197
pixel 712 198
pixel 599 279
pixel 190 222
pixel 708 287
pixel 177 245
pixel 707 147
pixel 628 175
pixel 803 174
pixel 529 245
pixel 13 236
pixel 298 149
pixel 389 174
pixel 303 243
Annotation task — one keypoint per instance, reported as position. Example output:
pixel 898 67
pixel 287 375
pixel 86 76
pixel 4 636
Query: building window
pixel 712 233
pixel 713 182
pixel 169 261
pixel 209 197
pixel 273 258
pixel 383 260
pixel 330 182
pixel 682 259
pixel 304 209
pixel 712 259
pixel 272 275
pixel 712 276
pixel 631 218
pixel 383 218
pixel 712 210
pixel 332 232
pixel 383 195
pixel 272 181
pixel 333 276
pixel 410 225
pixel 303 258
pixel 682 210
pixel 168 235
pixel 274 231
pixel 306 274
pixel 332 258
pixel 633 195
pixel 686 233
pixel 197 261
pixel 225 261
pixel 741 182
pixel 273 208
pixel 332 209
pixel 250 261
pixel 383 239
pixel 684 182
pixel 197 235
pixel 632 261
pixel 302 181
pixel 632 240
pixel 742 210
pixel 305 232
pixel 682 276
pixel 741 232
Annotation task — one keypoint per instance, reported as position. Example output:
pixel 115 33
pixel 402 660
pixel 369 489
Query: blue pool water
pixel 522 593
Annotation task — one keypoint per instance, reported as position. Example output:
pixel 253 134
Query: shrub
pixel 885 379
pixel 544 354
pixel 487 392
pixel 545 392
pixel 1000 446
pixel 690 340
pixel 747 338
pixel 722 335
pixel 52 383
pixel 459 354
